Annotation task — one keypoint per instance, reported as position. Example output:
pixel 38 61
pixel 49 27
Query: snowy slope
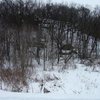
pixel 32 96
pixel 79 83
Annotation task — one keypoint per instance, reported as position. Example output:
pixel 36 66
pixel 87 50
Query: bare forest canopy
pixel 32 30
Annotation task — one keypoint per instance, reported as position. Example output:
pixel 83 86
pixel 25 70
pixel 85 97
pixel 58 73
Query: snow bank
pixel 79 83
pixel 32 96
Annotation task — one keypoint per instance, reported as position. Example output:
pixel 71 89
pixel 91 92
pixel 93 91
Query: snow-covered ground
pixel 79 83
pixel 51 96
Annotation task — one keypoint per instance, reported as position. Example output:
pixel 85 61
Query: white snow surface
pixel 80 83
pixel 32 96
